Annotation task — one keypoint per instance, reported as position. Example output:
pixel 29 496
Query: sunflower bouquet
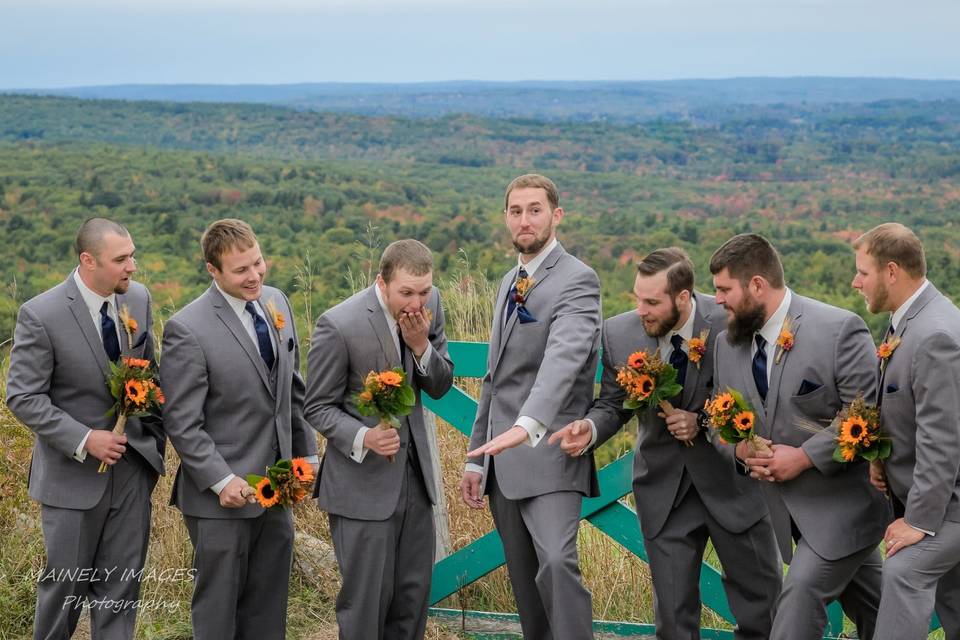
pixel 135 391
pixel 732 417
pixel 386 395
pixel 858 432
pixel 287 482
pixel 648 382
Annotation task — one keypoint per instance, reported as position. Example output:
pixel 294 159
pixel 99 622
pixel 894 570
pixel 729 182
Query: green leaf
pixel 631 404
pixel 670 390
pixel 407 396
pixel 838 457
pixel 253 479
pixel 884 448
pixel 870 454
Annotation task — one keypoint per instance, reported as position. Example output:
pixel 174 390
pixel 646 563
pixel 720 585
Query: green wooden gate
pixel 606 513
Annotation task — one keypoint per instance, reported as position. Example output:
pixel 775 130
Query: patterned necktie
pixel 108 328
pixel 263 336
pixel 678 359
pixel 403 347
pixel 512 296
pixel 760 367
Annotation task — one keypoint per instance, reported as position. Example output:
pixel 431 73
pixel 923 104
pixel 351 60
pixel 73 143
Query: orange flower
pixel 695 350
pixel 744 421
pixel 279 322
pixel 390 379
pixel 723 403
pixel 886 349
pixel 643 386
pixel 136 391
pixel 366 396
pixel 159 395
pixel 302 470
pixel 266 496
pixel 854 430
pixel 136 362
pixel 785 340
pixel 131 324
pixel 847 453
pixel 637 360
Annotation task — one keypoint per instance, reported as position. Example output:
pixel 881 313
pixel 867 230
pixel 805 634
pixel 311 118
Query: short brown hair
pixel 747 255
pixel 677 264
pixel 893 242
pixel 533 181
pixel 411 255
pixel 222 236
pixel 91 233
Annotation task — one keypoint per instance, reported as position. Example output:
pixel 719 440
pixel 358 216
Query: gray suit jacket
pixel 57 387
pixel 351 340
pixel 226 413
pixel 836 509
pixel 921 412
pixel 660 459
pixel 543 369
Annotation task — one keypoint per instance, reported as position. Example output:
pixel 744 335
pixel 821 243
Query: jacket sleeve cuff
pixel 358 452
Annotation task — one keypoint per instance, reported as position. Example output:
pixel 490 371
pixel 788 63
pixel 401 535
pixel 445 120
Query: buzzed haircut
pixel 675 262
pixel 223 236
pixel 747 255
pixel 893 242
pixel 91 233
pixel 412 256
pixel 533 181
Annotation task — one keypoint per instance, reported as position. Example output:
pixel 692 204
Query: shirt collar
pixel 902 309
pixel 771 329
pixel 532 266
pixel 91 298
pixel 686 331
pixel 391 321
pixel 238 305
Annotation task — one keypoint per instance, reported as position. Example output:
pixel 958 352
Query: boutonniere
pixel 886 349
pixel 279 322
pixel 523 287
pixel 697 347
pixel 785 340
pixel 129 323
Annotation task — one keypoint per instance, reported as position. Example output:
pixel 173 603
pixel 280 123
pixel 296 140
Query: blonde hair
pixel 222 236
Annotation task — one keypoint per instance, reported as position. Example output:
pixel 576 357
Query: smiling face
pixel 109 271
pixel 531 222
pixel 871 282
pixel 657 308
pixel 405 293
pixel 241 273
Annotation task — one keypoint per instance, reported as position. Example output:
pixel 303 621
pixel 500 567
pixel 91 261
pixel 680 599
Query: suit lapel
pixel 693 371
pixel 230 320
pixel 776 373
pixel 380 328
pixel 497 336
pixel 82 315
pixel 122 328
pixel 541 274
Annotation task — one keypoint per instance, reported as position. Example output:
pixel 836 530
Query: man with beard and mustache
pixel 95 523
pixel 541 367
pixel 829 509
pixel 684 494
pixel 919 392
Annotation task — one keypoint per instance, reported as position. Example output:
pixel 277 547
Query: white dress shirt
pixel 771 331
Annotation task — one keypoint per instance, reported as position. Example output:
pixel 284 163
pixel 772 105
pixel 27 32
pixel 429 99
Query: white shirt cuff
pixel 81 454
pixel 593 436
pixel 474 468
pixel 359 452
pixel 218 487
pixel 535 430
pixel 424 360
pixel 929 533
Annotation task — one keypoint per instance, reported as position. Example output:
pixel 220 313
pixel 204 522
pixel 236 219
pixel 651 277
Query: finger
pixel 561 434
pixel 578 428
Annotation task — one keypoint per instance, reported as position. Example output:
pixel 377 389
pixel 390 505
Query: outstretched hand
pixel 512 437
pixel 574 438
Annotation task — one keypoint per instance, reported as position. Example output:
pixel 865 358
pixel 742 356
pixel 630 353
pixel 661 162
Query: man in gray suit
pixel 829 509
pixel 96 523
pixel 234 406
pixel 919 396
pixel 377 483
pixel 541 367
pixel 684 494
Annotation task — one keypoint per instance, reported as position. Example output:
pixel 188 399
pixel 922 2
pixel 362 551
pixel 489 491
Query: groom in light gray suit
pixel 684 494
pixel 381 515
pixel 541 368
pixel 829 509
pixel 234 405
pixel 99 523
pixel 919 396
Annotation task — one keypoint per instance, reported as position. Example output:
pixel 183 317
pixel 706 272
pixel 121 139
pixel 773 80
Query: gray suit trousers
pixel 813 582
pixel 111 538
pixel 918 579
pixel 386 566
pixel 751 572
pixel 242 570
pixel 540 544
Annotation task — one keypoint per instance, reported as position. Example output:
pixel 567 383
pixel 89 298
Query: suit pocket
pixel 289 344
pixel 139 343
pixel 891 389
pixel 807 387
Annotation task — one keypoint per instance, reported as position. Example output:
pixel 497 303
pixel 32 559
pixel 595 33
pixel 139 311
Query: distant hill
pixel 552 101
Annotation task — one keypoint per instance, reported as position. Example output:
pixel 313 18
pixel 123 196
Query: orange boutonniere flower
pixel 785 340
pixel 697 347
pixel 523 288
pixel 277 318
pixel 886 349
pixel 129 323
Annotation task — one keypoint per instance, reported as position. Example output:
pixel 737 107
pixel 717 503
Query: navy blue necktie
pixel 403 347
pixel 263 336
pixel 760 367
pixel 108 329
pixel 678 359
pixel 512 296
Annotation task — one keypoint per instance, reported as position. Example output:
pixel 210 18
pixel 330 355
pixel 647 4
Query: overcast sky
pixel 60 43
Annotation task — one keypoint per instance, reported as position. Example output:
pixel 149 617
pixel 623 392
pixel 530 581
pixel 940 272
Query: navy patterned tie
pixel 108 329
pixel 263 336
pixel 512 296
pixel 760 367
pixel 678 359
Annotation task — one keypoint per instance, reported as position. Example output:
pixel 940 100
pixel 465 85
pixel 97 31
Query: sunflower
pixel 723 402
pixel 847 453
pixel 744 421
pixel 391 379
pixel 266 496
pixel 302 470
pixel 854 430
pixel 637 360
pixel 643 386
pixel 136 391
